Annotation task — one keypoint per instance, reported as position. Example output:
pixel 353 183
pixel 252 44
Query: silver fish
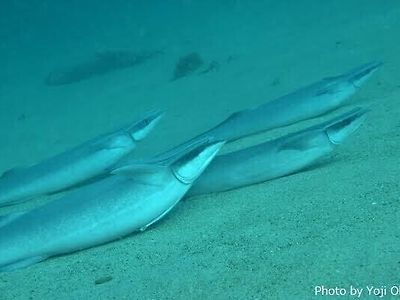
pixel 305 103
pixel 74 166
pixel 278 157
pixel 131 199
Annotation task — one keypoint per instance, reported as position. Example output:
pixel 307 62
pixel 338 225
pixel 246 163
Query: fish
pixel 72 167
pixel 103 63
pixel 305 103
pixel 278 157
pixel 130 200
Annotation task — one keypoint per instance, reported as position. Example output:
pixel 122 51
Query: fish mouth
pixel 188 167
pixel 361 74
pixel 345 125
pixel 143 127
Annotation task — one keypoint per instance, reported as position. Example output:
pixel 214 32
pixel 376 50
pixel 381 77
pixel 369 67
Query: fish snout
pixel 189 167
pixel 341 129
pixel 142 128
pixel 361 74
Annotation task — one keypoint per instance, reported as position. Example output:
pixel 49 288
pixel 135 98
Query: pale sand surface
pixel 334 225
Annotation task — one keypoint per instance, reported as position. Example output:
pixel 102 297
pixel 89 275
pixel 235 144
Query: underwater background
pixel 335 225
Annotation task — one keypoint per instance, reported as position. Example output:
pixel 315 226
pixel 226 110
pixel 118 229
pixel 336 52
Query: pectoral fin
pixel 159 217
pixel 300 144
pixel 136 170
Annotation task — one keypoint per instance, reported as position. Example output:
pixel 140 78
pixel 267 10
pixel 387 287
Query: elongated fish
pixel 132 199
pixel 278 157
pixel 103 63
pixel 305 103
pixel 72 167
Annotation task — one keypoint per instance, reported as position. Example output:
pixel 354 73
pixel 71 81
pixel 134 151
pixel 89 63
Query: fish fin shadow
pixel 23 263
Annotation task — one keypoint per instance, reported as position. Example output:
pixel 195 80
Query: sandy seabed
pixel 335 225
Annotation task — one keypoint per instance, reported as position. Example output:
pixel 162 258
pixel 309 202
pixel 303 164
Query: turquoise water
pixel 72 71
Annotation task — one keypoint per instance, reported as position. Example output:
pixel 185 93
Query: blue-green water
pixel 335 225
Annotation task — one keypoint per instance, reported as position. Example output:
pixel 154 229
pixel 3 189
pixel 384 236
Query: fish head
pixel 343 86
pixel 345 125
pixel 123 142
pixel 190 165
pixel 141 129
pixel 360 75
